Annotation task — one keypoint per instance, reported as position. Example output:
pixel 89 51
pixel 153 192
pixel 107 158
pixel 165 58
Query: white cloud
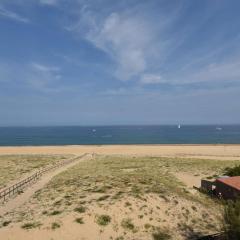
pixel 125 38
pixel 229 70
pixel 12 15
pixel 225 71
pixel 140 46
pixel 42 77
pixel 151 79
pixel 44 68
pixel 131 38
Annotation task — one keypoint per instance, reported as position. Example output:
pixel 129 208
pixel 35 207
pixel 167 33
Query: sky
pixel 104 62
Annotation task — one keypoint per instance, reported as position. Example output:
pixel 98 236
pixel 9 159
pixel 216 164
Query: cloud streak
pixel 43 77
pixel 153 49
pixel 152 79
pixel 124 37
pixel 49 2
pixel 12 15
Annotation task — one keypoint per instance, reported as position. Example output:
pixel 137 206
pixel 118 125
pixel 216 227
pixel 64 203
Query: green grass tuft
pixel 55 225
pixel 6 223
pixel 127 224
pixel 31 225
pixel 79 220
pixel 80 209
pixel 161 236
pixel 55 212
pixel 103 220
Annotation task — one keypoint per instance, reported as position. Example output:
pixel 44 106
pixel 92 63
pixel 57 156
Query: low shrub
pixel 55 225
pixel 79 220
pixel 232 220
pixel 31 225
pixel 103 220
pixel 234 171
pixel 80 209
pixel 127 224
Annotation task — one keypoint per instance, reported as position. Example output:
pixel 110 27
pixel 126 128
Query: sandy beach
pixel 114 192
pixel 220 151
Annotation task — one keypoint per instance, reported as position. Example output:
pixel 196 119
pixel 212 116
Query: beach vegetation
pixel 100 184
pixel 232 171
pixel 103 220
pixel 161 236
pixel 80 209
pixel 31 225
pixel 55 225
pixel 102 198
pixel 147 226
pixel 127 224
pixel 231 220
pixel 79 220
pixel 6 223
pixel 25 164
pixel 55 212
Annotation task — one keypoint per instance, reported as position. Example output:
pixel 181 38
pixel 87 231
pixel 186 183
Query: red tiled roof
pixel 231 181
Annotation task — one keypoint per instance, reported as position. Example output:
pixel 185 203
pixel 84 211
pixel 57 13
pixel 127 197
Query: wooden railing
pixel 216 236
pixel 18 187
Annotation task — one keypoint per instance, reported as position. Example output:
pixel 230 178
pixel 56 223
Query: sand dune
pixel 120 192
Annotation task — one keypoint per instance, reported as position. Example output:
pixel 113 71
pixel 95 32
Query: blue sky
pixel 97 62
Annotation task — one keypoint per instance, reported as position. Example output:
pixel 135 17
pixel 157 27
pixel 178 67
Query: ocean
pixel 98 135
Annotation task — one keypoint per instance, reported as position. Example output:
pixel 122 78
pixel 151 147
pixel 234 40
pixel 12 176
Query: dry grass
pixel 14 167
pixel 138 196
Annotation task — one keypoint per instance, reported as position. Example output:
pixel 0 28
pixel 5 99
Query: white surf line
pixel 23 197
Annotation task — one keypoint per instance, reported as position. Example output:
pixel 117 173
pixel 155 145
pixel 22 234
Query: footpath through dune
pixel 28 192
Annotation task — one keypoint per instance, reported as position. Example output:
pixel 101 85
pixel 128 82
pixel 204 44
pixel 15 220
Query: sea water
pixel 73 135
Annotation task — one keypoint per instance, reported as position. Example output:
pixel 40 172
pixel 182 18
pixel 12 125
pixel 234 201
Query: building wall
pixel 226 191
pixel 207 185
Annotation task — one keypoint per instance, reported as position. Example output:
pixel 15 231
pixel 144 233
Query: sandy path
pixel 210 151
pixel 189 179
pixel 28 192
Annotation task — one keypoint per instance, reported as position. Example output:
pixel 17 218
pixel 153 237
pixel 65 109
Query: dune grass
pixel 14 167
pixel 115 176
pixel 145 190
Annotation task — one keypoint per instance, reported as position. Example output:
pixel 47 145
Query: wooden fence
pixel 17 188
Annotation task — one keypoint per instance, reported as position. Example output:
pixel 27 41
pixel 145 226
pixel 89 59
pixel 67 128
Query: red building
pixel 228 188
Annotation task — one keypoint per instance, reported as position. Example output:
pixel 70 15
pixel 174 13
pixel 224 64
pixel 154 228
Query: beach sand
pixel 225 152
pixel 143 189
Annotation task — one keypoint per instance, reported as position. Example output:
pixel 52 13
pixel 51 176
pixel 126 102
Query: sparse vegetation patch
pixel 103 220
pixel 31 225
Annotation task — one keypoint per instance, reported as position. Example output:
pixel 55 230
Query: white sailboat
pixel 179 126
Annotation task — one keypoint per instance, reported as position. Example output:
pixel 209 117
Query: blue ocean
pixel 97 135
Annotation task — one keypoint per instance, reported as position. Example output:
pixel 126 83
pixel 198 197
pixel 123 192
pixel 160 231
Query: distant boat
pixel 218 128
pixel 94 130
pixel 179 126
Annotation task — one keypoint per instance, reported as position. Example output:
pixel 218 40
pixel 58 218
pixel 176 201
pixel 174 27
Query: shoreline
pixel 130 144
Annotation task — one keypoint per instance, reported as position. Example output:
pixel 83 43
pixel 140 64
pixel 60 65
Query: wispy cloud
pixel 119 36
pixel 43 77
pixel 44 68
pixel 49 2
pixel 226 71
pixel 152 79
pixel 12 15
pixel 152 49
pixel 218 72
pixel 124 37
